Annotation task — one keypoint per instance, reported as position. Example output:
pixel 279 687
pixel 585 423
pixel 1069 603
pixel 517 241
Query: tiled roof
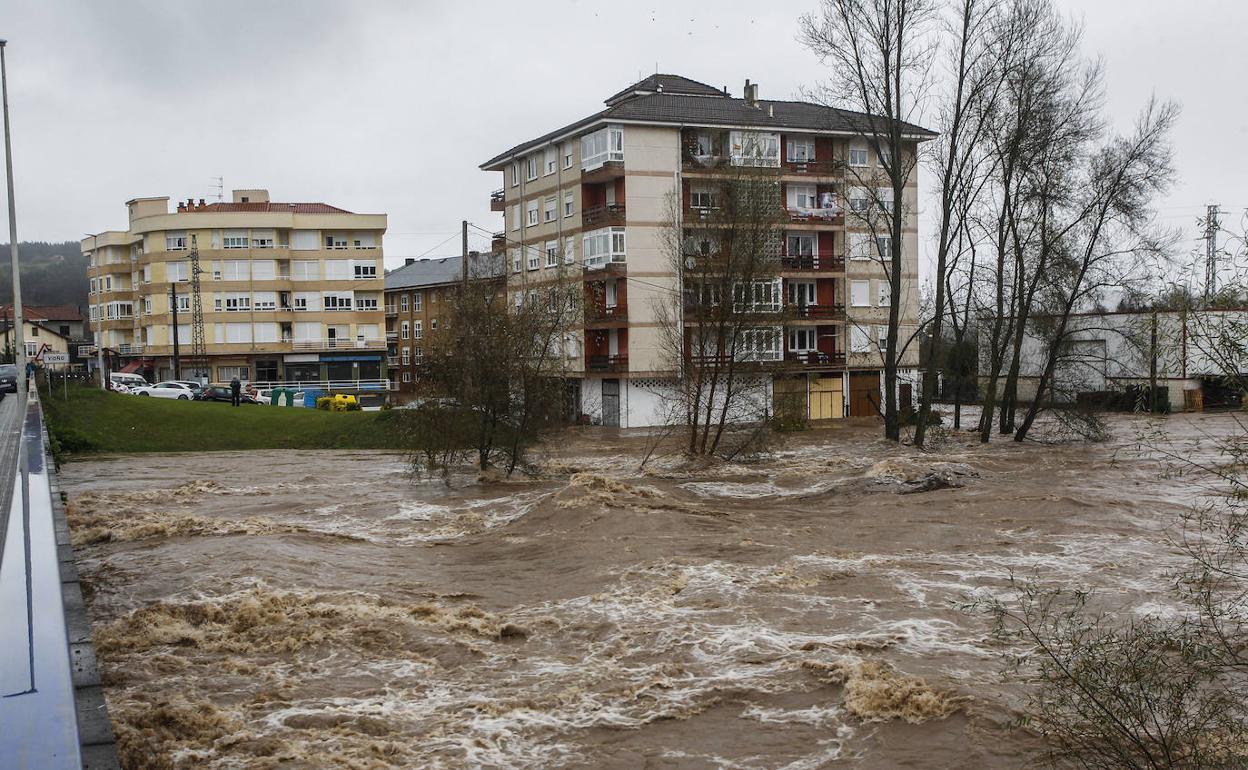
pixel 668 84
pixel 442 270
pixel 44 312
pixel 712 108
pixel 269 207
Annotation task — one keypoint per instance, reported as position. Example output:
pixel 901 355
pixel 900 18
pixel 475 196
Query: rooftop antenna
pixel 220 185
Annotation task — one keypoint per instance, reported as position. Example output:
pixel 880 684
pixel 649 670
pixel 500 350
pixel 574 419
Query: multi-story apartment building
pixel 418 295
pixel 291 292
pixel 602 195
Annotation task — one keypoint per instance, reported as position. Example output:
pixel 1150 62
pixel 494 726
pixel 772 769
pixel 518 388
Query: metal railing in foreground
pixel 326 385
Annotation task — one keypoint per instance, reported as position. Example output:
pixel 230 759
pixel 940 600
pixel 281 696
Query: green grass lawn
pixel 94 421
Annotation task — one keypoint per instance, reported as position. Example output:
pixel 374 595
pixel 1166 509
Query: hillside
pixel 52 274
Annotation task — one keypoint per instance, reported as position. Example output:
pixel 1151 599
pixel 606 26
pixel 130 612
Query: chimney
pixel 181 207
pixel 201 202
pixel 190 204
pixel 751 93
pixel 771 113
pixel 409 261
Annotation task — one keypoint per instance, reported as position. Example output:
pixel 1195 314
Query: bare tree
pixel 722 331
pixel 879 54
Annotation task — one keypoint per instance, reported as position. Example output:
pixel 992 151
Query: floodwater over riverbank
pixel 324 609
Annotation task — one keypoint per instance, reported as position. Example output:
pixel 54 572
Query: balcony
pixel 812 262
pixel 497 201
pixel 816 312
pixel 339 344
pixel 498 242
pixel 823 216
pixel 600 268
pixel 611 169
pixel 392 334
pixel 604 315
pixel 610 363
pixel 129 349
pixel 605 215
pixel 392 310
pixel 392 360
pixel 813 167
pixel 814 358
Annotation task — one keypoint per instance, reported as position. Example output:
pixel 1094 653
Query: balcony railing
pixel 818 167
pixel 812 262
pixel 815 358
pixel 817 311
pixel 392 360
pixel 605 215
pixel 816 216
pixel 497 201
pixel 392 334
pixel 128 349
pixel 339 344
pixel 610 363
pixel 322 385
pixel 392 310
pixel 606 313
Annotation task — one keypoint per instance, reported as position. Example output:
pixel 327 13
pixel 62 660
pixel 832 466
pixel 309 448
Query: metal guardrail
pixel 338 344
pixel 356 385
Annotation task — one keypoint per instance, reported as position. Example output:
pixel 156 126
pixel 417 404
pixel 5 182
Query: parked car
pixel 222 393
pixel 8 378
pixel 168 389
pixel 195 387
pixel 126 379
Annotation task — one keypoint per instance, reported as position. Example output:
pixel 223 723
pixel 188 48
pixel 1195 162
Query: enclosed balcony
pixel 603 215
pixel 497 201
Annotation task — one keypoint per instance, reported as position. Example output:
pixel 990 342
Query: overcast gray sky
pixel 388 107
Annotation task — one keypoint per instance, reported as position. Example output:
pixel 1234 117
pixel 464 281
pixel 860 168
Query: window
pixel 433 324
pixel 306 300
pixel 702 198
pixel 335 242
pixel 402 303
pixel 802 197
pixel 802 293
pixel 859 200
pixel 859 246
pixel 147 306
pixel 235 270
pixel 516 261
pixel 32 350
pixel 262 239
pixel 364 241
pixel 885 196
pixel 703 146
pixel 532 213
pixel 178 271
pixel 418 330
pixel 265 332
pixel 567 155
pixel 884 246
pixel 799 149
pixel 881 338
pixel 365 270
pixel 548 213
pixel 860 293
pixel 569 204
pixel 552 253
pixel 754 148
pixel 337 269
pixel 858 157
pixel 802 340
pixel 602 246
pixel 885 157
pixel 235 239
pixel 305 270
pixel 304 240
pixel 859 341
pixel 337 302
pixel 602 146
pixel 801 244
pixel 238 333
pixel 885 293
pixel 266 300
pixel 534 257
pixel 237 302
pixel 515 217
pixel 417 301
pixel 552 160
pixel 175 241
pixel 147 274
pixel 759 345
pixel 404 331
pixel 263 270
pixel 366 302
pixel 407 356
pixel 407 376
pixel 758 295
pixel 531 163
pixel 569 254
pixel 515 173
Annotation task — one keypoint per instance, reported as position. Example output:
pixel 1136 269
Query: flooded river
pixel 326 610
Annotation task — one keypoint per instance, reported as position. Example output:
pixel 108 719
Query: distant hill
pixel 52 274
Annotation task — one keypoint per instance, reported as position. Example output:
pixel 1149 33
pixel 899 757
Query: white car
pixel 169 389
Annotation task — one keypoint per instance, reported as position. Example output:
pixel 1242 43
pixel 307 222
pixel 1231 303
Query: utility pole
pixel 19 349
pixel 464 277
pixel 173 329
pixel 1211 251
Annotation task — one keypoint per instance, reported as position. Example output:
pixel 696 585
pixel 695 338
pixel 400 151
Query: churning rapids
pixel 323 609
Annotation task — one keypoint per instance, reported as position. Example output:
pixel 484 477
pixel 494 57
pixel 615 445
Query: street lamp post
pixel 19 354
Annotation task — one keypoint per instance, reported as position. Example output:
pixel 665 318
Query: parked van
pixel 126 379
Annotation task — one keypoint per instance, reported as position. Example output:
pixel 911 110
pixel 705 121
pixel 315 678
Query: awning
pixel 131 366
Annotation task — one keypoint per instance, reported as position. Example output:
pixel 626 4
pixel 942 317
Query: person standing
pixel 235 387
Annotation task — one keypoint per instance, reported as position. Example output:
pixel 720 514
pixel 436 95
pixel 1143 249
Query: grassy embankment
pixel 94 421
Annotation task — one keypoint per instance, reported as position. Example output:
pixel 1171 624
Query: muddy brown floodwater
pixel 323 609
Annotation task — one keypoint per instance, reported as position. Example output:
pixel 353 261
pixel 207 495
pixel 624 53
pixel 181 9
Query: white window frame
pixel 550 209
pixel 803 339
pixel 803 293
pixel 601 147
pixel 859 340
pixel 552 253
pixel 531 167
pixel 531 210
pixel 807 145
pixel 860 293
pixel 884 293
pixel 569 204
pixel 800 239
pixel 552 160
pixel 858 156
pixel 405 330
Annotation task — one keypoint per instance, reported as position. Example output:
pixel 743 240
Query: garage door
pixel 864 394
pixel 827 398
pixel 790 396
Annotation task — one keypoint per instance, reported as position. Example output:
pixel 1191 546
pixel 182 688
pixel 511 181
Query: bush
pixel 73 440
